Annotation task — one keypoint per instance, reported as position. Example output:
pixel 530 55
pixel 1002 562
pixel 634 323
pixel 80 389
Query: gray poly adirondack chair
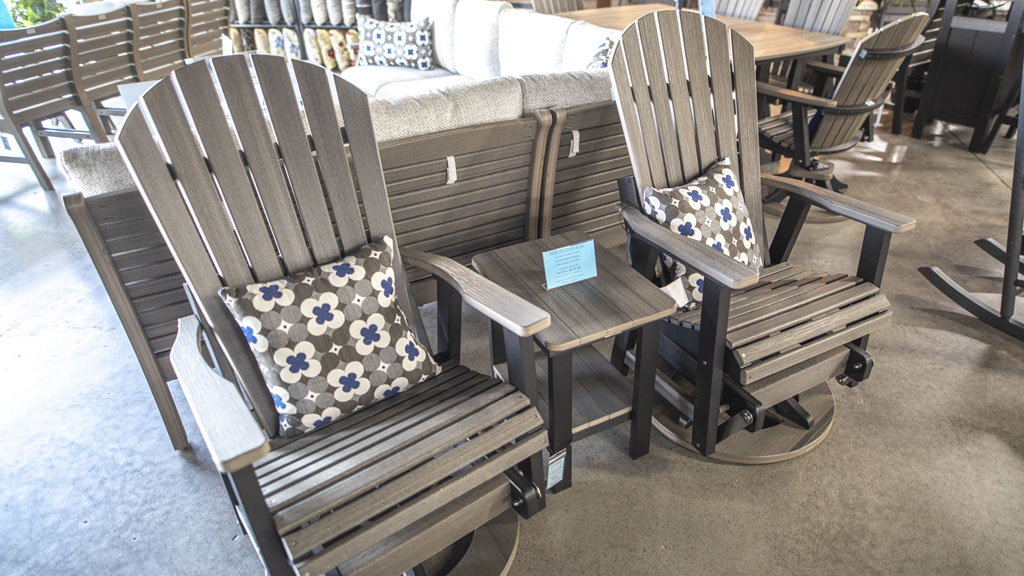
pixel 816 125
pixel 383 489
pixel 757 353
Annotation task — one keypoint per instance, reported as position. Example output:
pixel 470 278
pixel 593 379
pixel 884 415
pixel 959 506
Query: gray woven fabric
pixel 95 169
pixel 564 89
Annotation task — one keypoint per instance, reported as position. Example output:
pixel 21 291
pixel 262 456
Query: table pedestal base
pixel 777 443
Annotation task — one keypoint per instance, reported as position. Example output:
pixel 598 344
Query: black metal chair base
pixel 783 441
pixel 488 551
pixel 970 302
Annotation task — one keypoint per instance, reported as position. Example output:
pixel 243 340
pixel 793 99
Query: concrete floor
pixel 923 471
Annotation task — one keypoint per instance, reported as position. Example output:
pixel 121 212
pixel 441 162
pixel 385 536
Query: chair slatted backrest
pixel 685 104
pixel 35 72
pixel 866 78
pixel 159 37
pixel 280 201
pixel 206 22
pixel 825 16
pixel 101 53
pixel 557 6
pixel 746 9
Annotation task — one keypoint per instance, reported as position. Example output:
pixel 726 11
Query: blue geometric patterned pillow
pixel 709 209
pixel 405 44
pixel 331 340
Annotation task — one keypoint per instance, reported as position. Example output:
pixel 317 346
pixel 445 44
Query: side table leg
pixel 643 390
pixel 560 408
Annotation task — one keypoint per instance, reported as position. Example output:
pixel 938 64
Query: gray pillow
pixel 395 43
pixel 331 340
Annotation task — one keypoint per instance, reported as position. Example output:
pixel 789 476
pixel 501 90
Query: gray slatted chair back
pixel 159 37
pixel 101 53
pixel 866 79
pixel 280 201
pixel 557 6
pixel 746 9
pixel 35 73
pixel 825 16
pixel 685 104
pixel 205 21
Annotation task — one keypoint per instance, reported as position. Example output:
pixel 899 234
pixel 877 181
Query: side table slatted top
pixel 618 300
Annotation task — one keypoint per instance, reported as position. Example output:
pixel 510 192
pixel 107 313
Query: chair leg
pixel 707 396
pixel 260 523
pixel 95 123
pixel 42 141
pixel 33 161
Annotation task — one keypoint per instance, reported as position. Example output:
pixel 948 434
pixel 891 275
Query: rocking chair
pixel 247 179
pixel 758 352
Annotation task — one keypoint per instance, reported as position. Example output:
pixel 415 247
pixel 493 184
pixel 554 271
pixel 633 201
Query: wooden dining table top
pixel 770 41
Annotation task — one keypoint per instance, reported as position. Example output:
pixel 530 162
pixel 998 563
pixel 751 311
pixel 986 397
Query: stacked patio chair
pixel 159 44
pixel 825 16
pixel 758 350
pixel 101 60
pixel 557 6
pixel 206 21
pixel 382 489
pixel 36 85
pixel 816 125
pixel 746 9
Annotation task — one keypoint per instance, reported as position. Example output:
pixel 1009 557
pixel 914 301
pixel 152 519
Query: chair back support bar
pixel 35 73
pixel 277 188
pixel 825 16
pixel 678 122
pixel 866 78
pixel 159 43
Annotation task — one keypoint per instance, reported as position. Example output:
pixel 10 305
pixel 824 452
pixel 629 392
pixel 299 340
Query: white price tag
pixel 556 469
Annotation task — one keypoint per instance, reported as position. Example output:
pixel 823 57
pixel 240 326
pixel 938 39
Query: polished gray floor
pixel 923 472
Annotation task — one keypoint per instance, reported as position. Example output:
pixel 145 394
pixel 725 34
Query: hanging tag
pixel 677 290
pixel 556 469
pixel 574 144
pixel 453 174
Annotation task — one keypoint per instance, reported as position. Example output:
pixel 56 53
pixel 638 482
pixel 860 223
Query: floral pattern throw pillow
pixel 395 43
pixel 331 340
pixel 709 209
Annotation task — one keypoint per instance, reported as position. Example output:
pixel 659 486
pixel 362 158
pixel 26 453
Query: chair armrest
pixel 788 95
pixel 825 68
pixel 231 433
pixel 500 305
pixel 705 259
pixel 857 210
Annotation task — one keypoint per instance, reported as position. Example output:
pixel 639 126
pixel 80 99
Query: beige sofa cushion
pixel 564 89
pixel 531 43
pixel 370 79
pixel 481 102
pixel 581 43
pixel 442 17
pixel 476 37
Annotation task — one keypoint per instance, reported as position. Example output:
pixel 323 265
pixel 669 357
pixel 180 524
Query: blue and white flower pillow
pixel 405 44
pixel 709 209
pixel 331 340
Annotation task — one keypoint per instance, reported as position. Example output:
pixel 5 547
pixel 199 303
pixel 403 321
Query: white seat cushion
pixel 476 37
pixel 442 17
pixel 581 43
pixel 531 43
pixel 370 79
pixel 454 107
pixel 414 87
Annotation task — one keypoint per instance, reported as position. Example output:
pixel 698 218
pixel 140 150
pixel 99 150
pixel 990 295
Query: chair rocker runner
pixel 815 125
pixel 758 352
pixel 378 491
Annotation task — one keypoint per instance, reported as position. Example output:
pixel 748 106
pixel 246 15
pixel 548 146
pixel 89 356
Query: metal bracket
pixel 747 412
pixel 527 498
pixel 858 367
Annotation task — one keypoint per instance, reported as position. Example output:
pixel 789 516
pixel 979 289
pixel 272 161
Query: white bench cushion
pixel 531 43
pixel 414 87
pixel 476 37
pixel 370 79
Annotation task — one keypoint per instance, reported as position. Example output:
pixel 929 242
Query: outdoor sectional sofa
pixel 478 153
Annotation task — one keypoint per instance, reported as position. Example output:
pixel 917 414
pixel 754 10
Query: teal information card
pixel 571 264
pixel 707 8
